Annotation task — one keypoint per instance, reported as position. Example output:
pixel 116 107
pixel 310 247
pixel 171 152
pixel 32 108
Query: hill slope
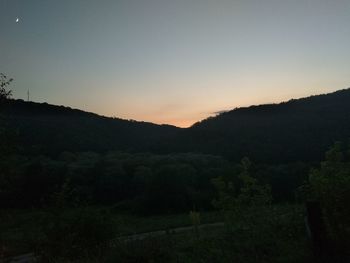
pixel 49 129
pixel 297 130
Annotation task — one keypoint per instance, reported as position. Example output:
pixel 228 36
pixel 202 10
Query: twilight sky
pixel 173 61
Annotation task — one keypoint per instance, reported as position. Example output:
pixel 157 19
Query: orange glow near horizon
pixel 185 117
pixel 178 123
pixel 174 62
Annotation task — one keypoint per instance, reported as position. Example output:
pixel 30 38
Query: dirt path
pixel 176 230
pixel 25 258
pixel 30 257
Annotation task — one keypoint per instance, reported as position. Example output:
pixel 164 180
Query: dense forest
pixel 143 183
pixel 47 129
pixel 297 130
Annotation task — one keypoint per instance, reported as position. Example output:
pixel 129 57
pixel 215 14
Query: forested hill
pixel 42 128
pixel 297 130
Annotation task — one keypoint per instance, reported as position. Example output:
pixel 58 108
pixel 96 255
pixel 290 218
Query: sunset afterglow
pixel 173 62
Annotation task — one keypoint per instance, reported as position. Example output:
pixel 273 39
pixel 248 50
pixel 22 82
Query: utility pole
pixel 28 95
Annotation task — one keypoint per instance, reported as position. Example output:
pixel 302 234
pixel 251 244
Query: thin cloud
pixel 219 112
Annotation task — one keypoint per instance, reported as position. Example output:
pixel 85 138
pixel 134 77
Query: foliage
pixel 24 230
pixel 330 186
pixel 246 205
pixel 77 233
pixel 4 92
pixel 283 241
pixel 50 130
pixel 7 145
pixel 295 131
pixel 246 195
pixel 141 183
pixel 6 135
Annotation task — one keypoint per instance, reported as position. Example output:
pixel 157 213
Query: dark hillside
pixel 48 129
pixel 297 130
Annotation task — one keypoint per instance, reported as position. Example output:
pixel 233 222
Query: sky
pixel 173 61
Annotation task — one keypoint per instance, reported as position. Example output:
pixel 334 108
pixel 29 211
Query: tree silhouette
pixel 4 83
pixel 5 94
pixel 330 190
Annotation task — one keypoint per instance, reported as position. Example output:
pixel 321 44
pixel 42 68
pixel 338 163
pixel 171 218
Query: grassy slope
pixel 20 229
pixel 281 239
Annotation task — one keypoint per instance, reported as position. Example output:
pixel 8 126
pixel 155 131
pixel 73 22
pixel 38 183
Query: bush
pixel 75 232
pixel 246 197
pixel 329 186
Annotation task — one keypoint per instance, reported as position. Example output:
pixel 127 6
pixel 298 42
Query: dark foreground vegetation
pixel 76 187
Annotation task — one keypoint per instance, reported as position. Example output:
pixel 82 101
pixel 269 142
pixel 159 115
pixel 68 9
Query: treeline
pixel 44 129
pixel 144 183
pixel 295 131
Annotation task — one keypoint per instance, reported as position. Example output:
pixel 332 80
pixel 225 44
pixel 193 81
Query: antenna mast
pixel 28 95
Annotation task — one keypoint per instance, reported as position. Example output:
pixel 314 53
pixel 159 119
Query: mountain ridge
pixel 295 130
pixel 290 101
